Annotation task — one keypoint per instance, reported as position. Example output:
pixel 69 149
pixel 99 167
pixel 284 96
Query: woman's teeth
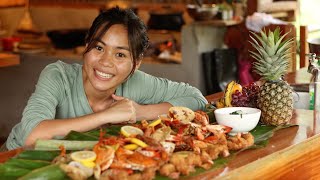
pixel 104 75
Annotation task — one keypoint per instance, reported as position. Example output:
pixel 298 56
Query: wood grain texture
pixel 7 59
pixel 303 46
pixel 294 162
pixel 299 77
pixel 218 22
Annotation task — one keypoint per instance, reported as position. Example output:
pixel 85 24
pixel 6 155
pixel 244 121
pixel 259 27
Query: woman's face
pixel 108 64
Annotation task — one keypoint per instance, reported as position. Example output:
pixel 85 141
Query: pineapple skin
pixel 275 100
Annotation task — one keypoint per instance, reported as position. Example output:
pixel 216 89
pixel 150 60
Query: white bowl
pixel 239 123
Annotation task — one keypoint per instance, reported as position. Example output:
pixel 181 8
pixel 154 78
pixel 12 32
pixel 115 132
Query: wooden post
pixel 252 7
pixel 304 49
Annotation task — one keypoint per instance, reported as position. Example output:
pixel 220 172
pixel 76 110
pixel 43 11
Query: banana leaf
pixel 38 155
pixel 263 133
pixel 8 171
pixel 93 135
pixel 27 163
pixel 74 135
pixel 210 111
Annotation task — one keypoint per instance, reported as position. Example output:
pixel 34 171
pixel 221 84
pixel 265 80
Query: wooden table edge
pixel 279 163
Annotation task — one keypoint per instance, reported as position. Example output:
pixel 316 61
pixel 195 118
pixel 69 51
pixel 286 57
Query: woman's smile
pixel 103 76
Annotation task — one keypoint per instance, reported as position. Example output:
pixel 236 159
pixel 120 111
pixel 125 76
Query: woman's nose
pixel 106 59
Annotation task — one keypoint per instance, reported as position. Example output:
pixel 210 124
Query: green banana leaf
pixel 210 111
pixel 38 155
pixel 263 133
pixel 93 135
pixel 9 171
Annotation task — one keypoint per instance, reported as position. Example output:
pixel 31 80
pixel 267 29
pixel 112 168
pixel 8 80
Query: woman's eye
pixel 120 55
pixel 99 48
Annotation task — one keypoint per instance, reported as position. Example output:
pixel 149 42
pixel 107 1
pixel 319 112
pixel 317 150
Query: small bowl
pixel 205 12
pixel 239 123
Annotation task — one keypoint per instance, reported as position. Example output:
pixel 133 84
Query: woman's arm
pixel 121 111
pixel 57 107
pixel 148 111
pixel 156 95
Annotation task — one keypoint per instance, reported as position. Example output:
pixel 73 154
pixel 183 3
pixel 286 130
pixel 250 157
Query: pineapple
pixel 275 99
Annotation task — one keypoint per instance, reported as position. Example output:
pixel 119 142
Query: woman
pixel 108 88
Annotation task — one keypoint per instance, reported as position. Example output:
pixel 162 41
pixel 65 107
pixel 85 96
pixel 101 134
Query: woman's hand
pixel 148 112
pixel 138 108
pixel 122 110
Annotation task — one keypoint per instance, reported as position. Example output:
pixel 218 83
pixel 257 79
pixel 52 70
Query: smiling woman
pixel 108 88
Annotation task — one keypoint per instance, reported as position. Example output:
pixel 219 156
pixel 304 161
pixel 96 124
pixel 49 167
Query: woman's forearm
pixel 152 111
pixel 47 129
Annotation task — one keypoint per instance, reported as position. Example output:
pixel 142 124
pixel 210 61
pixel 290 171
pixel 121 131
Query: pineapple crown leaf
pixel 279 72
pixel 269 41
pixel 266 42
pixel 277 35
pixel 260 39
pixel 271 38
pixel 261 50
pixel 264 45
pixel 255 55
pixel 280 43
pixel 272 53
pixel 285 45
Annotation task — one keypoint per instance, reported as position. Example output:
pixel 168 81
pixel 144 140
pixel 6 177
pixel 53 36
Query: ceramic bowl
pixel 67 38
pixel 205 12
pixel 240 123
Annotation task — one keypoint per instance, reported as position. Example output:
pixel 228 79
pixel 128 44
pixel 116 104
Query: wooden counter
pixel 9 59
pixel 299 77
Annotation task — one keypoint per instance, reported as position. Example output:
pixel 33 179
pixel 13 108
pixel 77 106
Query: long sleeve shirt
pixel 60 94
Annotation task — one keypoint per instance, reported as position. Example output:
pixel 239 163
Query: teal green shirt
pixel 60 94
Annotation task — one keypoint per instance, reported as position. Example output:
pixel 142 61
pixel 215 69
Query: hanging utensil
pixel 198 3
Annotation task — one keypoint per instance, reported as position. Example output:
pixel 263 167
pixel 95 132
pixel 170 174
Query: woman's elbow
pixel 30 140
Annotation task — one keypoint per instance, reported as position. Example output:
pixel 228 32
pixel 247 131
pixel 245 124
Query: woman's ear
pixel 138 64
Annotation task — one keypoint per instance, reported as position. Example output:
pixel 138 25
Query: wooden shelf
pixel 218 22
pixel 8 59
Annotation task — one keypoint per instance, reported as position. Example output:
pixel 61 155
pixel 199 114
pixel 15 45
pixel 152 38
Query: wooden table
pixel 300 77
pixel 9 59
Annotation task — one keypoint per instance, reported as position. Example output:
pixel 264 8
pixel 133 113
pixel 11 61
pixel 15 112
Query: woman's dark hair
pixel 137 31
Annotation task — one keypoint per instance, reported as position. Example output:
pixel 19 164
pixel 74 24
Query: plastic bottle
pixel 311 94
